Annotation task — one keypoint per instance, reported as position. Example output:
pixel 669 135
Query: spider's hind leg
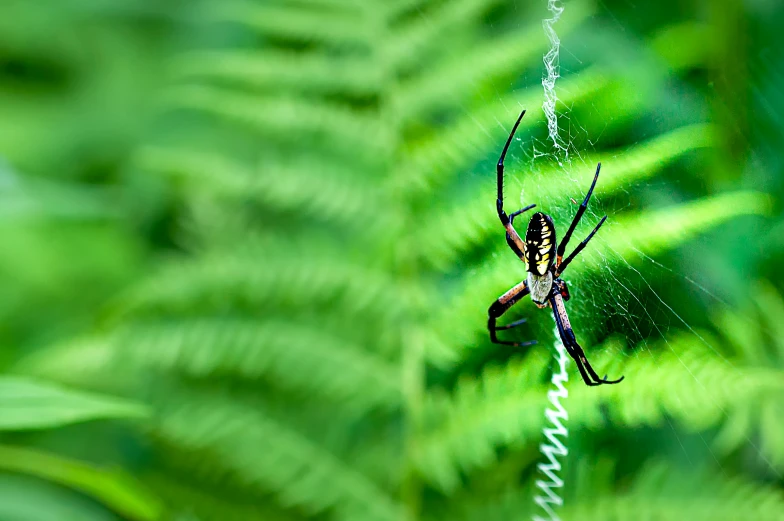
pixel 572 347
pixel 580 367
pixel 579 357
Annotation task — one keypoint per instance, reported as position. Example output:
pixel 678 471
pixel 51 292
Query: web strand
pixel 553 72
pixel 555 448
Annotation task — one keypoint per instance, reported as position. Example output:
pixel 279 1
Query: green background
pixel 248 249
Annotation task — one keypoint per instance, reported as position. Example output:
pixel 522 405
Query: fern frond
pixel 748 343
pixel 43 199
pixel 771 435
pixel 669 494
pixel 770 304
pixel 32 499
pixel 349 6
pixel 435 160
pixel 82 362
pixel 452 81
pixel 296 23
pixel 717 508
pixel 642 161
pixel 293 356
pixel 271 457
pixel 208 505
pixel 287 119
pixel 376 455
pixel 464 430
pixel 314 189
pixel 685 45
pixel 655 231
pixel 398 8
pixel 277 281
pixel 754 333
pixel 114 488
pixel 660 490
pixel 684 382
pixel 284 70
pixel 27 404
pixel 412 43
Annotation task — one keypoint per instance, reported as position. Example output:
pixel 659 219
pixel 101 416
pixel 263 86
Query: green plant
pixel 315 344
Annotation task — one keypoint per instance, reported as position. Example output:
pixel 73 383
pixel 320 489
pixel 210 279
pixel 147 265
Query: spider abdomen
pixel 539 244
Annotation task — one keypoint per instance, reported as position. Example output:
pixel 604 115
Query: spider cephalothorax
pixel 544 264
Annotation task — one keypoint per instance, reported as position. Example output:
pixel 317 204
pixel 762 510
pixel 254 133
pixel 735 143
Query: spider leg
pixel 562 266
pixel 500 172
pixel 572 347
pixel 501 306
pixel 518 212
pixel 512 325
pixel 567 345
pixel 577 216
pixel 581 354
pixel 513 238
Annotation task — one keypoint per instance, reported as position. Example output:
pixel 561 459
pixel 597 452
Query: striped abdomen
pixel 539 244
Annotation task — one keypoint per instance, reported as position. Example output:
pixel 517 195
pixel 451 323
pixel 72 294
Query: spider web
pixel 621 290
pixel 638 297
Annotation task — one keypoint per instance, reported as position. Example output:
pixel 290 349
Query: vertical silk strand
pixel 553 72
pixel 555 433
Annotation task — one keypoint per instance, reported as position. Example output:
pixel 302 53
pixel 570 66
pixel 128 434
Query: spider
pixel 544 265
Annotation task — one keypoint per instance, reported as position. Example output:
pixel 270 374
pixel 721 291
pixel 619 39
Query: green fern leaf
pixel 112 487
pixel 413 42
pixel 27 404
pixel 216 281
pixel 288 353
pixel 209 506
pixel 684 381
pixel 432 162
pixel 501 57
pixel 271 456
pixel 282 70
pixel 342 27
pixel 315 190
pixel 350 132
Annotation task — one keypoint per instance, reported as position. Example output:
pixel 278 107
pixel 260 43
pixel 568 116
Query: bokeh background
pixel 248 249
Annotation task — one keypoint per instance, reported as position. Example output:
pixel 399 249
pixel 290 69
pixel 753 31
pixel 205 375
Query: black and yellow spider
pixel 544 266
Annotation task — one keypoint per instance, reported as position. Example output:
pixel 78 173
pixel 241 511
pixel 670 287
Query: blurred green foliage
pixel 250 246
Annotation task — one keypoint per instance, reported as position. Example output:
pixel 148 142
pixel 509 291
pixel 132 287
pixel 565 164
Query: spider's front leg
pixel 518 212
pixel 501 306
pixel 512 237
pixel 561 264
